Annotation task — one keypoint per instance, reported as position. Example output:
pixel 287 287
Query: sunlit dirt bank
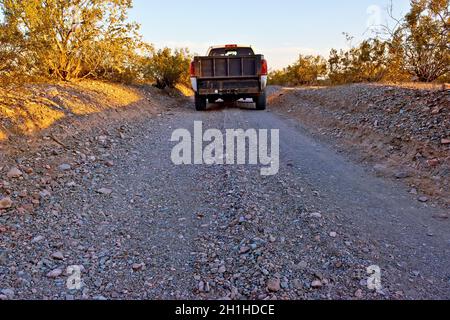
pixel 28 109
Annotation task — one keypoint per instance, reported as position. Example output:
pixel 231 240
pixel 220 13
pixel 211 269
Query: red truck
pixel 229 73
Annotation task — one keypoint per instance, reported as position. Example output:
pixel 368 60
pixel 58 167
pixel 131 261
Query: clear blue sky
pixel 280 29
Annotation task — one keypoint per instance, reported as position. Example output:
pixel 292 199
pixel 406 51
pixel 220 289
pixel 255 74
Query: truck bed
pixel 228 75
pixel 236 67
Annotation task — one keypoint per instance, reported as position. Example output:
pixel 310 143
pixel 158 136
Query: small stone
pixel 316 284
pixel 6 203
pixel 433 162
pixel 423 199
pixel 201 286
pixel 58 255
pixel 285 285
pixel 45 194
pixel 104 191
pixel 9 293
pixel 316 215
pixel 244 250
pixel 359 294
pixel 272 239
pixel 445 141
pixel 64 167
pixel 333 234
pixel 302 265
pixel 222 269
pixel 37 239
pixel 402 175
pixel 214 270
pixel 297 284
pixel 23 194
pixel 29 170
pixel 98 283
pixel 109 164
pixel 319 276
pixel 14 173
pixel 435 110
pixel 138 267
pixel 54 273
pixel 274 285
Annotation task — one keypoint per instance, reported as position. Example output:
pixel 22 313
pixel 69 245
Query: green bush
pixel 307 70
pixel 367 62
pixel 168 68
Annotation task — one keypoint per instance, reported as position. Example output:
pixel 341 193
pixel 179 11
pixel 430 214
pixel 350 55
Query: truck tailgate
pixel 228 67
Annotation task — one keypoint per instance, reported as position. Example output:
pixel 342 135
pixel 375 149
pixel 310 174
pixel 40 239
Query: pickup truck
pixel 229 73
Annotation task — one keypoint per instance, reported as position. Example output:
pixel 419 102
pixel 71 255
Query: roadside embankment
pixel 401 131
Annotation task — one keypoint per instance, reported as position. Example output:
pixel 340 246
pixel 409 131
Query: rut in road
pixel 210 232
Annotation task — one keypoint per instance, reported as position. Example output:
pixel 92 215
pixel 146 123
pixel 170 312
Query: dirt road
pixel 141 227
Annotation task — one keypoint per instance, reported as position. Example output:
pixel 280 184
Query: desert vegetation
pixel 80 39
pixel 416 48
pixel 57 40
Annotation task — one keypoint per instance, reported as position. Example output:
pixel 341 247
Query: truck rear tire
pixel 261 101
pixel 200 102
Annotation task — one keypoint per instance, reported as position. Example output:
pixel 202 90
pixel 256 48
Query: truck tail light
pixel 264 68
pixel 192 69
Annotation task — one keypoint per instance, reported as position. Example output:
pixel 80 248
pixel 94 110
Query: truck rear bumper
pixel 228 86
pixel 228 91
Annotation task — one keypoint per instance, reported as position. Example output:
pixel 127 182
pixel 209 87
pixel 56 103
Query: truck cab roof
pixel 230 50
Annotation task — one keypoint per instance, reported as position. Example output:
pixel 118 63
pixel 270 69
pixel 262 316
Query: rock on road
pixel 143 228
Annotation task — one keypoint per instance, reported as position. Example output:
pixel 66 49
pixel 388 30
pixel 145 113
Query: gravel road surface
pixel 140 227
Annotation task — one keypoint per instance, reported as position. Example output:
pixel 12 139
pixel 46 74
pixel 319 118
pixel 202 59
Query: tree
pixel 61 35
pixel 13 61
pixel 425 39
